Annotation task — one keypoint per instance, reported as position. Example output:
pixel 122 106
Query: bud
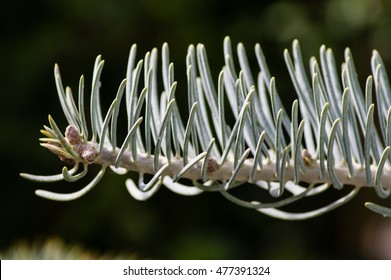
pixel 211 165
pixel 72 135
pixel 89 153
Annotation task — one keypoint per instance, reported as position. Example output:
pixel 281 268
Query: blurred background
pixel 37 34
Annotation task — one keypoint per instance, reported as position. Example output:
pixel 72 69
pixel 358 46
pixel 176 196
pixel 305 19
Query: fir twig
pixel 323 146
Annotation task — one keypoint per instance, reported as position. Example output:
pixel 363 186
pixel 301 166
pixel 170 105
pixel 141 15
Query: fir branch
pixel 317 147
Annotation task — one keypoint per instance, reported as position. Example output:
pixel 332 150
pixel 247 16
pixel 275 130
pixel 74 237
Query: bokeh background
pixel 37 34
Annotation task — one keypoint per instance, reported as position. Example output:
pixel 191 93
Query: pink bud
pixel 72 135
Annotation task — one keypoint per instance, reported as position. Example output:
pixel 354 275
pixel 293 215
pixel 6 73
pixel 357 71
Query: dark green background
pixel 37 34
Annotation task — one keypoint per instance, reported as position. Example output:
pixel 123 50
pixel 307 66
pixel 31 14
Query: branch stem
pixel 144 164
